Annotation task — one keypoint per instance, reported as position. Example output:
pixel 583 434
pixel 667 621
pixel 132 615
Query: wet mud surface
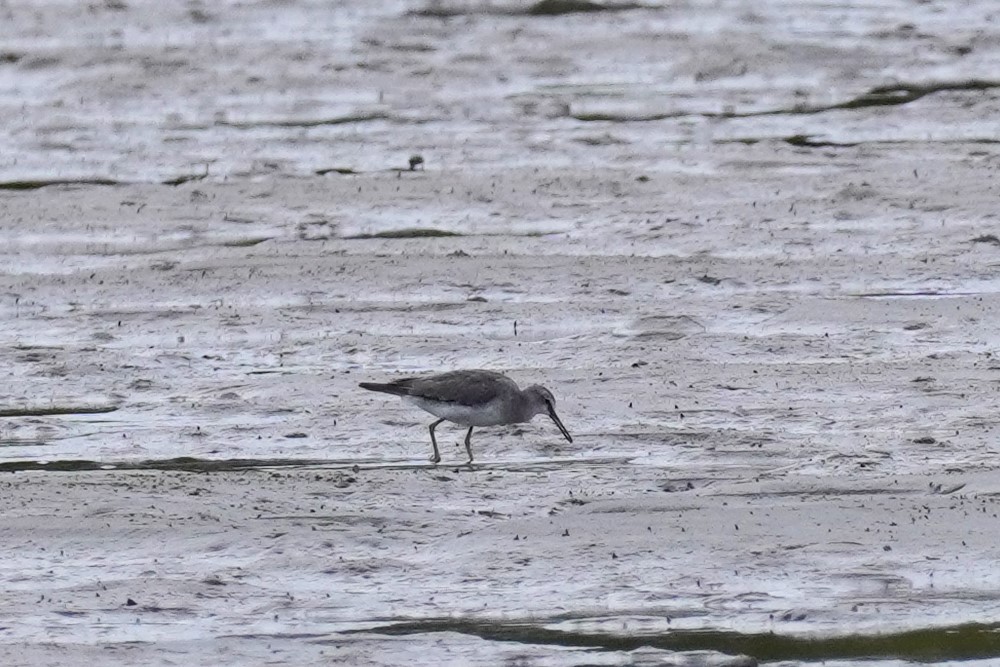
pixel 752 250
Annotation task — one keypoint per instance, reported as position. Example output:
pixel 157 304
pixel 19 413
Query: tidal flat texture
pixel 752 248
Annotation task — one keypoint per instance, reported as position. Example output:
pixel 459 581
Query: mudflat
pixel 752 253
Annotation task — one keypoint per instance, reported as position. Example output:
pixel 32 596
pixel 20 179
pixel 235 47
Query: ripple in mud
pixel 963 642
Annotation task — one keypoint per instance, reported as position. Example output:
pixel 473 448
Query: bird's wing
pixel 462 387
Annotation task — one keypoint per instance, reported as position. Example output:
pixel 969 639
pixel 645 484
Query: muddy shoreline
pixel 752 251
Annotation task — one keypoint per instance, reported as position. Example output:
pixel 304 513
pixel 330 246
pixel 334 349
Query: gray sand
pixel 752 251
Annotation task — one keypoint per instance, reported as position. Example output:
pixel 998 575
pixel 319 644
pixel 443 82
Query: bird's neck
pixel 526 408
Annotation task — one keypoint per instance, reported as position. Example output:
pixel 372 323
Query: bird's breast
pixel 485 414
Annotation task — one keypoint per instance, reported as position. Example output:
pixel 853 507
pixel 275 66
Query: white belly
pixel 487 414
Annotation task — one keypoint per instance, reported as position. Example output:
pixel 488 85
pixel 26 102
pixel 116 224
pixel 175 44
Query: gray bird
pixel 472 398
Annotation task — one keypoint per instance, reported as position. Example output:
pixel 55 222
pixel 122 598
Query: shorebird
pixel 472 398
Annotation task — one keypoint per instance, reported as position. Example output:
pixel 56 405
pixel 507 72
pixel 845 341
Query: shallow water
pixel 751 249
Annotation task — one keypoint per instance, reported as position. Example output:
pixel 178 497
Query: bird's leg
pixel 468 445
pixel 437 457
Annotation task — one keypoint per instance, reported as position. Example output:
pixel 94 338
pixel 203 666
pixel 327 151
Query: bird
pixel 472 398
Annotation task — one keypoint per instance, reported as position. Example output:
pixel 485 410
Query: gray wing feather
pixel 472 387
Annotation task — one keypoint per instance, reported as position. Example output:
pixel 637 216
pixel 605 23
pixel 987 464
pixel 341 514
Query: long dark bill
pixel 555 418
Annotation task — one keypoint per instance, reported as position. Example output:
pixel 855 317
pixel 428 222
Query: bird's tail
pixel 395 388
